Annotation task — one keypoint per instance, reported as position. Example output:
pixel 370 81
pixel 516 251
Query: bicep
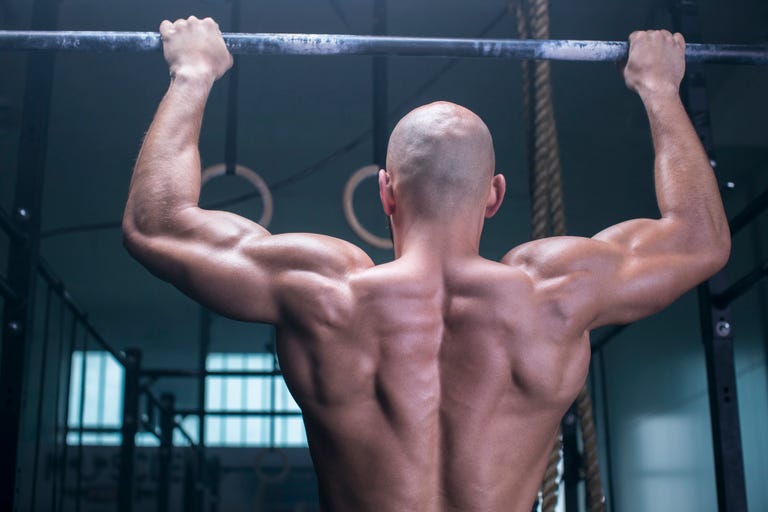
pixel 235 267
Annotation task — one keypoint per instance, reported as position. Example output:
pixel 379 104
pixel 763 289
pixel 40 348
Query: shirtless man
pixel 435 382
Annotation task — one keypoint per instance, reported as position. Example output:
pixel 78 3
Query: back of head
pixel 441 159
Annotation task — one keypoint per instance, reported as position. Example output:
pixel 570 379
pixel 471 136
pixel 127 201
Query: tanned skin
pixel 435 382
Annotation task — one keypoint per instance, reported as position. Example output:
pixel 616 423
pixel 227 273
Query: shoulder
pixel 558 256
pixel 306 252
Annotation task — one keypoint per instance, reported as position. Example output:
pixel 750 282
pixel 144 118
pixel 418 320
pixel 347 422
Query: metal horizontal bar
pixel 740 287
pixel 748 214
pixel 94 430
pixel 195 374
pixel 238 413
pixel 336 44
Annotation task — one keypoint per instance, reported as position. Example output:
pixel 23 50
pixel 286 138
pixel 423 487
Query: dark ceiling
pixel 296 111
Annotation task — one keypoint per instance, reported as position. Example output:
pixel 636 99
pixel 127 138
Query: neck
pixel 437 239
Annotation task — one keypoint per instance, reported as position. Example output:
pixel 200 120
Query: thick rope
pixel 548 219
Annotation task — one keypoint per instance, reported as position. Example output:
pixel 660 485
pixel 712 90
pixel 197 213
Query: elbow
pixel 134 238
pixel 716 251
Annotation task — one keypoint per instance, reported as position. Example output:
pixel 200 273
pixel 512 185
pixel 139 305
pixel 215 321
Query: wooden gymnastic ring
pixel 253 178
pixel 349 209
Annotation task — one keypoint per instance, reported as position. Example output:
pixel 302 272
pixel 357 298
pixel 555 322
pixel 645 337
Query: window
pixel 103 404
pixel 256 397
pixel 253 398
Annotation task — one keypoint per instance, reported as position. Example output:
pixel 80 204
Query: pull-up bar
pixel 331 44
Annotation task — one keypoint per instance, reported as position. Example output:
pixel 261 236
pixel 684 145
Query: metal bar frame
pixel 740 287
pixel 239 413
pixel 755 207
pixel 129 428
pixel 716 322
pixel 196 374
pixel 167 425
pixel 23 254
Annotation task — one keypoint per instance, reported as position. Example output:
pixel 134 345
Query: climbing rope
pixel 548 219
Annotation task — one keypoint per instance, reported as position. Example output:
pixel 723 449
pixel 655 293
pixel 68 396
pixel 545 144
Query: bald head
pixel 441 159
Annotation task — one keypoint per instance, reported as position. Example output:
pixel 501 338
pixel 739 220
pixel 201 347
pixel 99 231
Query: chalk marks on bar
pixel 333 44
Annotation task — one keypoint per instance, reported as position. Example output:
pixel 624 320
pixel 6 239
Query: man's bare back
pixel 437 387
pixel 435 382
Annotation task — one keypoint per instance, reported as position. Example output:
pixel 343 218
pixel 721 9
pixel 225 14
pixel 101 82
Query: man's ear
pixel 495 195
pixel 385 192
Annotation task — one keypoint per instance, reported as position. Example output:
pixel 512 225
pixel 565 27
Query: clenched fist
pixel 195 47
pixel 656 62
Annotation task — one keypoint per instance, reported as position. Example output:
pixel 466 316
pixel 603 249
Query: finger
pixel 166 27
pixel 192 18
pixel 679 39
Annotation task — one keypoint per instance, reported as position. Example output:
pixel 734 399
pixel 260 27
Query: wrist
pixel 193 76
pixel 659 96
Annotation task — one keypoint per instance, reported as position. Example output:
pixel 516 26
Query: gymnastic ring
pixel 278 477
pixel 349 209
pixel 253 178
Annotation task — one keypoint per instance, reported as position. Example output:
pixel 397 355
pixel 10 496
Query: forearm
pixel 686 187
pixel 166 178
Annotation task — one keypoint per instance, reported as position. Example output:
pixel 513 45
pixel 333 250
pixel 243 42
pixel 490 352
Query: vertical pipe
pixel 57 421
pixel 166 450
pixel 606 432
pixel 80 421
pixel 65 421
pixel 205 345
pixel 571 460
pixel 129 429
pixel 23 254
pixel 41 390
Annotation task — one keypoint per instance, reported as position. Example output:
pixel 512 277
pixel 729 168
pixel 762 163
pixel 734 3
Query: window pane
pixel 234 362
pixel 257 431
pixel 74 388
pixel 259 362
pixel 257 393
pixel 234 394
pixel 233 431
pixel 93 387
pixel 213 431
pixel 289 431
pixel 215 362
pixel 283 399
pixel 213 392
pixel 113 393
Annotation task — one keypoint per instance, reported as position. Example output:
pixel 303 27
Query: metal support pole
pixel 572 460
pixel 205 345
pixel 717 330
pixel 129 429
pixel 23 253
pixel 716 323
pixel 215 483
pixel 167 425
